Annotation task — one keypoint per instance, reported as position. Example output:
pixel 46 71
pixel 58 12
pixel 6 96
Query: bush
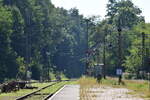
pixel 129 76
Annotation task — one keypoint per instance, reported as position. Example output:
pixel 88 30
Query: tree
pixel 133 61
pixel 7 55
pixel 123 13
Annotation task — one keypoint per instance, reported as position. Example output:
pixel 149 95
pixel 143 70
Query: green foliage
pixel 133 61
pixel 123 13
pixel 38 37
pixel 7 55
pixel 35 36
pixel 22 67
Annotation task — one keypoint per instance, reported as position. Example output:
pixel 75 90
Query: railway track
pixel 40 94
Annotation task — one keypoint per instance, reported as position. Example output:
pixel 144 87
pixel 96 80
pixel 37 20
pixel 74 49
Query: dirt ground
pixel 109 93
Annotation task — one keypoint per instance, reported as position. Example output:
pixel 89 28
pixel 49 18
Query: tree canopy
pixel 37 37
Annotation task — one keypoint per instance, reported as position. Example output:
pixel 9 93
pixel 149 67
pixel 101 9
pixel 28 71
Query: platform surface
pixel 68 92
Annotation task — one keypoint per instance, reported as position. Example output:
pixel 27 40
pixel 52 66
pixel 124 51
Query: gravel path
pixel 109 93
pixel 71 92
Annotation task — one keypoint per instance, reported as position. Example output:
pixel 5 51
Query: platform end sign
pixel 119 71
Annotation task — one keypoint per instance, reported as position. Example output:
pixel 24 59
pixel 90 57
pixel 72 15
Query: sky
pixel 98 7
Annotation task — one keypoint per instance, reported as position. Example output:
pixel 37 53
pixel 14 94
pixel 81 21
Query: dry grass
pixel 139 87
pixel 86 86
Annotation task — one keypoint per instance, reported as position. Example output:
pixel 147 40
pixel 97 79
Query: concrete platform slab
pixel 68 92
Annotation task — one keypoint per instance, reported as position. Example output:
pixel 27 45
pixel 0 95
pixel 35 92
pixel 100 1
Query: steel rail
pixel 33 93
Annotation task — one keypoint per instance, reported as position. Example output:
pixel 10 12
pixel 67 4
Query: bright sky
pixel 98 7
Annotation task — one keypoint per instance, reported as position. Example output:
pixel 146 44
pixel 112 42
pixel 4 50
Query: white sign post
pixel 119 71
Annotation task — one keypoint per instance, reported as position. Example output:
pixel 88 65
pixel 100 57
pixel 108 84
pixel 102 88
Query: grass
pixel 50 90
pixel 56 87
pixel 86 83
pixel 14 95
pixel 142 88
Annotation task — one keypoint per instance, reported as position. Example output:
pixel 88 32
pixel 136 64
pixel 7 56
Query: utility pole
pixel 28 43
pixel 149 65
pixel 87 46
pixel 143 49
pixel 120 55
pixel 104 57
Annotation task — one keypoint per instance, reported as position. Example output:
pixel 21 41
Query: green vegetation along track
pixel 45 92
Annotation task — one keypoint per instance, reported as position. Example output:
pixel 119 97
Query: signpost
pixel 119 73
pixel 98 72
